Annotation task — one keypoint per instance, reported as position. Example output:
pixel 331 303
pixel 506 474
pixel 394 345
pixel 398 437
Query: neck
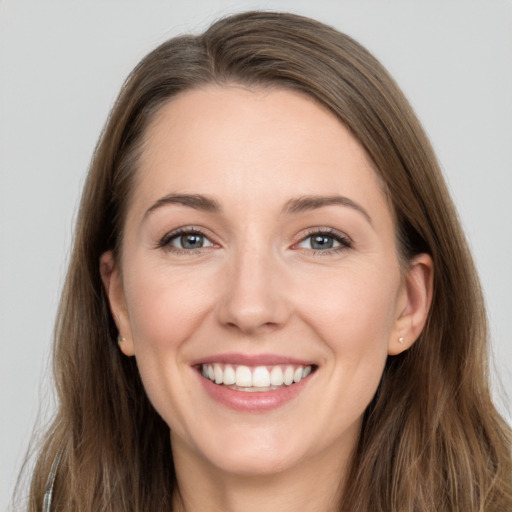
pixel 314 484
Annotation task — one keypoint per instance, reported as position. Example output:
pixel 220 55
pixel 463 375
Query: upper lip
pixel 252 360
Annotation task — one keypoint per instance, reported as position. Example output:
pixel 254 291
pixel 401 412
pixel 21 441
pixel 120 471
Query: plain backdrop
pixel 61 66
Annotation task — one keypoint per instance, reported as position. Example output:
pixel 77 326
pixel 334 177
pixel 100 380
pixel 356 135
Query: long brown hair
pixel 431 438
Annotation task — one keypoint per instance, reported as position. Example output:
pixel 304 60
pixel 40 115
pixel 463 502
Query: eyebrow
pixel 305 203
pixel 296 205
pixel 195 201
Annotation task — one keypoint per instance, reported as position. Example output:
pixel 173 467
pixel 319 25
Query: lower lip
pixel 255 401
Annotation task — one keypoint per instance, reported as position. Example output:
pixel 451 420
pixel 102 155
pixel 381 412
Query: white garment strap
pixel 47 501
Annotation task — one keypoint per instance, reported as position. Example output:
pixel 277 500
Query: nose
pixel 254 298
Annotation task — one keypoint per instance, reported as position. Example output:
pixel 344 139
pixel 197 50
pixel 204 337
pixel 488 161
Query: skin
pixel 258 287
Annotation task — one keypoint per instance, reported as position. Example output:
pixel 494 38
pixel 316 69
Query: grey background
pixel 61 66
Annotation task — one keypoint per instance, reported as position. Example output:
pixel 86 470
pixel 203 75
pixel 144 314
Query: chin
pixel 255 453
pixel 256 465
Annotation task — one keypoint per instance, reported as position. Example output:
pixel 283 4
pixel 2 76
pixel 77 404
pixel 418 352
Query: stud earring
pixel 401 340
pixel 120 339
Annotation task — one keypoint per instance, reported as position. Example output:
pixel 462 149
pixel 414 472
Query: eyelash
pixel 165 241
pixel 344 241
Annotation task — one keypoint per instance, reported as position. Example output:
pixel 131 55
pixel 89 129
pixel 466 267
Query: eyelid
pixel 344 240
pixel 173 241
pixel 165 241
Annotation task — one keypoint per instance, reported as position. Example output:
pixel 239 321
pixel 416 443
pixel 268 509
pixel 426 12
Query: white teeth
pixel 288 375
pixel 229 375
pixel 217 372
pixel 276 376
pixel 259 378
pixel 243 376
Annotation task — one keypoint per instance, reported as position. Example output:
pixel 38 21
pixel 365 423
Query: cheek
pixel 353 315
pixel 165 311
pixel 164 308
pixel 353 312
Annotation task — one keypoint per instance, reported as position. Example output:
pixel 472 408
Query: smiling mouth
pixel 255 378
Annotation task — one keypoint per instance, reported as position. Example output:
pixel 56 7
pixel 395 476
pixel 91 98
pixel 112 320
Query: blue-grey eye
pixel 319 242
pixel 190 241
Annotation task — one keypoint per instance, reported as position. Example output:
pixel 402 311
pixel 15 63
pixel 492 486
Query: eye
pixel 185 240
pixel 325 241
pixel 190 241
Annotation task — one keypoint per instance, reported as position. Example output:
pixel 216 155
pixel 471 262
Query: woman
pixel 270 302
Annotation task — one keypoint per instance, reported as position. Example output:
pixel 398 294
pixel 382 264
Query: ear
pixel 413 304
pixel 111 277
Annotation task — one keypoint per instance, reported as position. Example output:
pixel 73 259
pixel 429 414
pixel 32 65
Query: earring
pixel 401 340
pixel 120 339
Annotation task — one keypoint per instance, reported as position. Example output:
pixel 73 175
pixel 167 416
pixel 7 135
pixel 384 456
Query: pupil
pixel 322 242
pixel 192 241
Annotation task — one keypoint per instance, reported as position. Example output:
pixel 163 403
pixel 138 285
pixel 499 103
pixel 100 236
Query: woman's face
pixel 259 250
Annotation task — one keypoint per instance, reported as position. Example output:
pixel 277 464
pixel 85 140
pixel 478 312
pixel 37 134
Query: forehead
pixel 230 140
